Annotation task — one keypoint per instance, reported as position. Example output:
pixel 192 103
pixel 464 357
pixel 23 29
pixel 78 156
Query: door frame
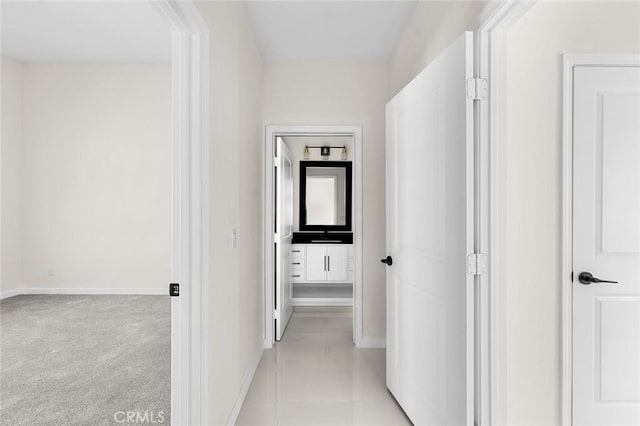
pixel 490 39
pixel 571 61
pixel 189 210
pixel 271 132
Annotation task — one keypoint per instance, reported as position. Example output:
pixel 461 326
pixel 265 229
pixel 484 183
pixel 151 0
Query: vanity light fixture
pixel 325 152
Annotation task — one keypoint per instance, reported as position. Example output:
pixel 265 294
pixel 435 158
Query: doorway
pixel 303 274
pixel 186 178
pixel 89 214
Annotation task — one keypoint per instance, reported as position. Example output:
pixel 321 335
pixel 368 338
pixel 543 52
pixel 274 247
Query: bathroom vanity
pixel 322 252
pixel 322 274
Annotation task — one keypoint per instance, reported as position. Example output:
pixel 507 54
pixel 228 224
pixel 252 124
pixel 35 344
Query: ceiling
pixel 114 31
pixel 329 29
pixel 85 31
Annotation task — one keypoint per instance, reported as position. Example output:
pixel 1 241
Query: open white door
pixel 606 244
pixel 429 236
pixel 283 236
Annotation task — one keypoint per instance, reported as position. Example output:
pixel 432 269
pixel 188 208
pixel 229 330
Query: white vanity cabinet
pixel 338 263
pixel 327 263
pixel 322 274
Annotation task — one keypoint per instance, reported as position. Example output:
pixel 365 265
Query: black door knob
pixel 388 260
pixel 587 278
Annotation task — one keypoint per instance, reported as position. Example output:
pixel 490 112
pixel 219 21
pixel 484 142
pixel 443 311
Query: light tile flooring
pixel 316 376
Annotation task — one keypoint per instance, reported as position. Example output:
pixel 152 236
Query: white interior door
pixel 606 244
pixel 429 235
pixel 284 235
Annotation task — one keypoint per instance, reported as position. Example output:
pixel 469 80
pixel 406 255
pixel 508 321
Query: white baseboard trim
pixel 235 412
pixel 10 293
pixel 321 315
pixel 373 343
pixel 86 291
pixel 321 302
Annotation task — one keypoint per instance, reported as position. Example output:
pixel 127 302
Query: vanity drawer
pixel 297 275
pixel 297 268
pixel 297 263
pixel 298 252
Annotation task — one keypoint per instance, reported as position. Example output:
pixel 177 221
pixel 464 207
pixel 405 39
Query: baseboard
pixel 86 291
pixel 373 343
pixel 235 412
pixel 322 312
pixel 321 302
pixel 10 293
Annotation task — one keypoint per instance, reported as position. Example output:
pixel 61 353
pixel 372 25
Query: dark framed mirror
pixel 325 195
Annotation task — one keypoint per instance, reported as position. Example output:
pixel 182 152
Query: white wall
pixel 96 176
pixel 343 92
pixel 236 319
pixel 433 26
pixel 11 176
pixel 534 188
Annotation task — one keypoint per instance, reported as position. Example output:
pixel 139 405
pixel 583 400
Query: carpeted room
pixel 85 320
pixel 72 359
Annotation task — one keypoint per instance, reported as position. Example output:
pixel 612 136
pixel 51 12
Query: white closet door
pixel 284 235
pixel 606 244
pixel 336 263
pixel 429 234
pixel 316 263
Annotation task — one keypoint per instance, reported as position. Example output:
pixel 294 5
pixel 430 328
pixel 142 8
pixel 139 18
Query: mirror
pixel 325 196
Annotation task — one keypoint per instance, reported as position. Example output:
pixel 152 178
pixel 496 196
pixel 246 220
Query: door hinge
pixel 477 89
pixel 174 289
pixel 276 314
pixel 477 264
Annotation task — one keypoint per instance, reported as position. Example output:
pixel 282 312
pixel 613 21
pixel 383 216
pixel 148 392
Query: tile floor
pixel 315 376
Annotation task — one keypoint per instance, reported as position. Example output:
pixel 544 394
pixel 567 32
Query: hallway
pixel 316 376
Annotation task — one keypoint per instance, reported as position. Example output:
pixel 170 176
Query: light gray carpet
pixel 78 360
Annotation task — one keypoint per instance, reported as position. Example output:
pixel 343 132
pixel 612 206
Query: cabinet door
pixel 337 263
pixel 316 263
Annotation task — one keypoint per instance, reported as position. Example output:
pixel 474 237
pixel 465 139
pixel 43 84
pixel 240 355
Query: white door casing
pixel 430 199
pixel 283 237
pixel 355 131
pixel 490 34
pixel 190 211
pixel 606 243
